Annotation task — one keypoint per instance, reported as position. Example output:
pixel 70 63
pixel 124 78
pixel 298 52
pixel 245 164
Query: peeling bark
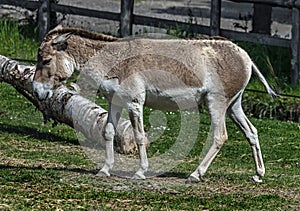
pixel 68 107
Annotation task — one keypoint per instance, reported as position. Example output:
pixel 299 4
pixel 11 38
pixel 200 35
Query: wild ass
pixel 159 73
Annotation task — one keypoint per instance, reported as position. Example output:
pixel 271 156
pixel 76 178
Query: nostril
pixel 35 94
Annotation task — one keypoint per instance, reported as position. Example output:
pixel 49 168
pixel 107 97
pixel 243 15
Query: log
pixel 68 107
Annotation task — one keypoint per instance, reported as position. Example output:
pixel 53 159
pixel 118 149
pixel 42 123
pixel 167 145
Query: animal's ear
pixel 62 39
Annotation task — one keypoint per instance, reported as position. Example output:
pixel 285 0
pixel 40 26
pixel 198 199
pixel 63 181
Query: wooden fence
pixel 127 18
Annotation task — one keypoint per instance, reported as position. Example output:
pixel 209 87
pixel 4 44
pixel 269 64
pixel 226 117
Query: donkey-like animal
pixel 158 73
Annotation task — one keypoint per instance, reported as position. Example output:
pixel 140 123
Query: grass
pixel 44 168
pixel 18 42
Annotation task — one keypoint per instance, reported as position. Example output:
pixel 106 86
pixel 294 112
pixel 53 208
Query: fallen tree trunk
pixel 68 107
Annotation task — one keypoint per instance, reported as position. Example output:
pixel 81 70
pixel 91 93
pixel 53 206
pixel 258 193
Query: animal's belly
pixel 173 99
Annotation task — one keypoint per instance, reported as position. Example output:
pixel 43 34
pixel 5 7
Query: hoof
pixel 257 179
pixel 192 179
pixel 138 176
pixel 103 174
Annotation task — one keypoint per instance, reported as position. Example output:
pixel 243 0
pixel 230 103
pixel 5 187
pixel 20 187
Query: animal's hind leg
pixel 239 117
pixel 108 135
pixel 135 111
pixel 217 110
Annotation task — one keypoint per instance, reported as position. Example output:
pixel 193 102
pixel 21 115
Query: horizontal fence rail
pixel 31 5
pixel 275 3
pixel 64 9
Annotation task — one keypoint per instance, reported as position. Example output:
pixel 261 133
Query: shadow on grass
pixel 129 174
pixel 37 168
pixel 174 174
pixel 24 176
pixel 35 133
pixel 125 175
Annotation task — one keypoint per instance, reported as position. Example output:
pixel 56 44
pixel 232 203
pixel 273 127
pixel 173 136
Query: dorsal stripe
pixel 82 33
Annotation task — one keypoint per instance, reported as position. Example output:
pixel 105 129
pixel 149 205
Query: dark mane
pixel 81 33
pixel 206 37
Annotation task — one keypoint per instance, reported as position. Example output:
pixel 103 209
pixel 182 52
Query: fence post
pixel 44 19
pixel 295 46
pixel 126 17
pixel 215 17
pixel 261 21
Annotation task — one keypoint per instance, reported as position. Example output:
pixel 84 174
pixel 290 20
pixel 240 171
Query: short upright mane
pixel 205 37
pixel 82 33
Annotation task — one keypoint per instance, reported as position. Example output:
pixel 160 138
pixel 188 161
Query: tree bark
pixel 68 107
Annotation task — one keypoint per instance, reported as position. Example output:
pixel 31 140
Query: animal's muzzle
pixel 42 91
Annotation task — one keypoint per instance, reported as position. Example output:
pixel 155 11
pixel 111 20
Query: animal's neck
pixel 82 49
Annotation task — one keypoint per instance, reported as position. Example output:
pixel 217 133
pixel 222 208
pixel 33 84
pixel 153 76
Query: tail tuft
pixel 270 91
pixel 273 94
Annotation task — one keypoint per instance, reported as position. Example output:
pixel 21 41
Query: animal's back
pixel 167 70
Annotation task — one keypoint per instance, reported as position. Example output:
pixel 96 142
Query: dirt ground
pixel 181 10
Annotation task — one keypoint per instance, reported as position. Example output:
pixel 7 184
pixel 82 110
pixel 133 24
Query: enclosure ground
pixel 45 168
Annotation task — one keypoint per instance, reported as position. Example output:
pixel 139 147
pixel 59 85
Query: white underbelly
pixel 157 97
pixel 174 99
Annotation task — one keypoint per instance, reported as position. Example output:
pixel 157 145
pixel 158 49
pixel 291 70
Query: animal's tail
pixel 264 81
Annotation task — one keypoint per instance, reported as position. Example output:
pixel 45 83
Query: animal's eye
pixel 46 62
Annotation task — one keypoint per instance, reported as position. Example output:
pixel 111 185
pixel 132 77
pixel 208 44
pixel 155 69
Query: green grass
pixel 44 168
pixel 18 42
pixel 272 61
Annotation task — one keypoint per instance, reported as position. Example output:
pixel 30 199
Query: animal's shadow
pixel 35 133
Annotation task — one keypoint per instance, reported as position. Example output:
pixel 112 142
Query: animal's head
pixel 54 65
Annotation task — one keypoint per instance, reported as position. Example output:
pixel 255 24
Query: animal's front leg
pixel 135 111
pixel 108 135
